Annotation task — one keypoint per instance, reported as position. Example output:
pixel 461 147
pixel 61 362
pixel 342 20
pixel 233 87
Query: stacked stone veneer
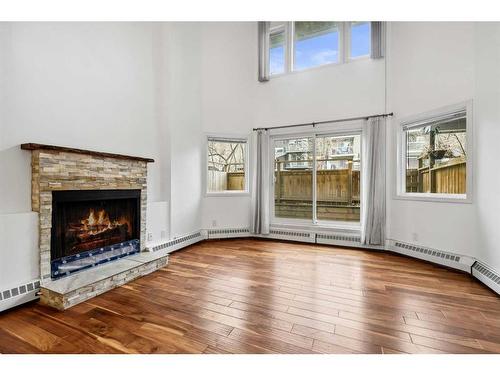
pixel 54 170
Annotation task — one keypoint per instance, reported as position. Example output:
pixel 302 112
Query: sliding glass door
pixel 293 178
pixel 317 178
pixel 338 177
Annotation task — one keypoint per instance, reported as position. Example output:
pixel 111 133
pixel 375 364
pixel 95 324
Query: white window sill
pixel 434 197
pixel 320 67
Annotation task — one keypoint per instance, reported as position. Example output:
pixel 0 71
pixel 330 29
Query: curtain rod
pixel 313 124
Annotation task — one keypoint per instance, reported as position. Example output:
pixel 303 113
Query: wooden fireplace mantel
pixel 37 146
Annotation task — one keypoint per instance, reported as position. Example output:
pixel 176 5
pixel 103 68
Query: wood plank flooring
pixel 256 296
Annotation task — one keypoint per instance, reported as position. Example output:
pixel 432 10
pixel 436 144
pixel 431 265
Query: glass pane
pixel 277 53
pixel 293 178
pixel 360 39
pixel 226 166
pixel 315 43
pixel 436 157
pixel 338 177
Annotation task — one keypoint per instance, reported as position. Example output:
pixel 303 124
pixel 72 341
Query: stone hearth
pixel 60 168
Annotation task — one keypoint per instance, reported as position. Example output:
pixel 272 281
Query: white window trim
pixel 226 193
pixel 344 48
pixel 339 130
pixel 401 157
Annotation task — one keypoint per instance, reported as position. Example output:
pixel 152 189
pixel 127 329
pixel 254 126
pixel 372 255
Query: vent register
pixel 486 272
pixel 229 231
pixel 428 252
pixel 338 237
pixel 179 242
pixel 32 287
pixel 290 233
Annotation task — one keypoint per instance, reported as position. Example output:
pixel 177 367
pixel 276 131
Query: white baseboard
pixel 19 294
pixel 445 258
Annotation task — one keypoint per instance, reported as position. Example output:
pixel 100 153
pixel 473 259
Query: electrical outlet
pixel 163 234
pixel 214 223
pixel 414 236
pixel 150 236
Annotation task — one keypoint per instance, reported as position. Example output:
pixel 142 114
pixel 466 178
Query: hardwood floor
pixel 253 296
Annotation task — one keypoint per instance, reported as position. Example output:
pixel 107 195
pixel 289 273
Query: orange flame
pixel 99 222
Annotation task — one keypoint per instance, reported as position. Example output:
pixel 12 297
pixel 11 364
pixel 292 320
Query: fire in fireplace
pixel 93 226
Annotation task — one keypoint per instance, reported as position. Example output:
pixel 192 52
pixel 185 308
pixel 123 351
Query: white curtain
pixel 377 40
pixel 373 211
pixel 261 186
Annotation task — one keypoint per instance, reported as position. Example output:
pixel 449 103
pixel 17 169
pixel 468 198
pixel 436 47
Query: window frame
pixel 344 47
pixel 339 130
pixel 419 120
pixel 228 138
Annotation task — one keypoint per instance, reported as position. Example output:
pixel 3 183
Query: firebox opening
pixel 87 220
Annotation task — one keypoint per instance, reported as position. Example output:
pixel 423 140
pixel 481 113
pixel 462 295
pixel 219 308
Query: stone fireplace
pixel 92 221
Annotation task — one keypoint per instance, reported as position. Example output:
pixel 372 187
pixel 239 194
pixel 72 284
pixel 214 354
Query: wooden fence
pixel 221 181
pixel 339 186
pixel 338 194
pixel 236 181
pixel 447 178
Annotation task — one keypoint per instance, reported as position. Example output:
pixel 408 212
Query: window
pixel 297 46
pixel 277 50
pixel 317 178
pixel 435 156
pixel 360 39
pixel 315 43
pixel 226 167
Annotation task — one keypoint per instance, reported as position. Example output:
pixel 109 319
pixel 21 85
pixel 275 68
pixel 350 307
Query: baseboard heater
pixel 445 258
pixel 290 235
pixel 228 233
pixel 179 242
pixel 19 294
pixel 487 275
pixel 341 239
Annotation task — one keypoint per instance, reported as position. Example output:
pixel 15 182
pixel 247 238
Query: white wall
pixel 487 135
pixel 182 98
pixel 432 65
pixel 83 85
pixel 86 85
pixel 229 104
pixel 233 101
